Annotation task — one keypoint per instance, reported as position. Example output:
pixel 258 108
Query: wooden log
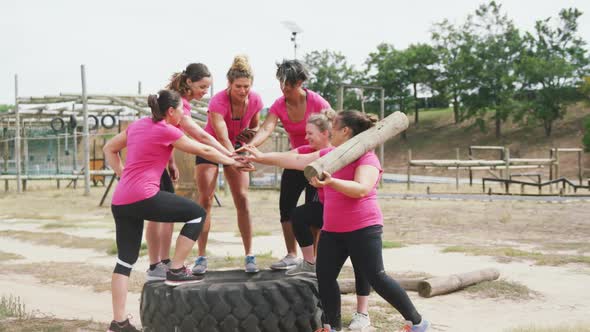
pixel 444 285
pixel 347 286
pixel 355 147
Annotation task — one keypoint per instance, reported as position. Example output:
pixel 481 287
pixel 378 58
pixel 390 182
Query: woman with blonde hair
pixel 233 118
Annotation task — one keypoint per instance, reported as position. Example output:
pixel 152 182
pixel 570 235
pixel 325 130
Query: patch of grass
pixel 60 239
pixel 503 289
pixel 7 256
pixel 391 244
pixel 504 252
pixel 57 225
pixel 255 233
pixel 15 318
pixel 580 247
pixel 560 328
pixel 12 306
pixel 75 274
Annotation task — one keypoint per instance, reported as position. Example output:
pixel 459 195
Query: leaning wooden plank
pixel 444 285
pixel 358 145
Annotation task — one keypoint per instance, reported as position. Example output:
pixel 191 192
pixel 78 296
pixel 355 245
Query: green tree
pixel 420 60
pixel 5 108
pixel 552 68
pixel 329 71
pixel 492 76
pixel 388 68
pixel 453 48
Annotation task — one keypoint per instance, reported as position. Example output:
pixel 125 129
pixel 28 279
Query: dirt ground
pixel 56 255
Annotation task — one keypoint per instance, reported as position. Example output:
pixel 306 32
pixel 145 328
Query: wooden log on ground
pixel 347 286
pixel 444 285
pixel 358 145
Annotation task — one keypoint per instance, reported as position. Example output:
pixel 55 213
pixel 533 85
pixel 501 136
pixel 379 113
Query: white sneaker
pixel 359 321
pixel 286 263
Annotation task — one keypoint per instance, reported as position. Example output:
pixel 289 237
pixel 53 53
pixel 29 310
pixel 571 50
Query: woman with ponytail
pixel 352 223
pixel 192 84
pixel 149 143
pixel 233 118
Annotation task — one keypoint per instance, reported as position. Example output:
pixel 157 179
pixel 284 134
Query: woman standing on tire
pixel 138 197
pixel 353 224
pixel 192 84
pixel 293 109
pixel 233 118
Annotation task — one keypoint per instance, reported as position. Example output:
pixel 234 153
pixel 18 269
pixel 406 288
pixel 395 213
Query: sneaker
pixel 124 326
pixel 251 266
pixel 288 262
pixel 423 326
pixel 200 265
pixel 359 321
pixel 303 267
pixel 325 329
pixel 185 276
pixel 159 273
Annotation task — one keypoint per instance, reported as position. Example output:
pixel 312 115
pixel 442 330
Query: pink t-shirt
pixel 305 149
pixel 347 214
pixel 149 146
pixel 221 104
pixel 296 130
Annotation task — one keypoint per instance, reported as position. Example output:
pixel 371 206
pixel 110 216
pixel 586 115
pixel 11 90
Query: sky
pixel 126 41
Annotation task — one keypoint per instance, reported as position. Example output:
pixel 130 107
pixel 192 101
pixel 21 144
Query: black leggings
pixel 166 182
pixel 312 215
pixel 364 248
pixel 292 184
pixel 163 207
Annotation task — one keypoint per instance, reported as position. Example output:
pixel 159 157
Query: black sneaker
pixel 124 326
pixel 185 276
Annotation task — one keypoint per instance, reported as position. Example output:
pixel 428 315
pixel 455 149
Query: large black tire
pixel 233 301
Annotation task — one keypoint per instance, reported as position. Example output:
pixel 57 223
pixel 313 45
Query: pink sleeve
pixel 172 134
pixel 324 151
pixel 217 106
pixel 371 159
pixel 275 108
pixel 304 149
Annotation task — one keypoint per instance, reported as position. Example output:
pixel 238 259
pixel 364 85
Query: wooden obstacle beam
pixel 358 145
pixel 444 285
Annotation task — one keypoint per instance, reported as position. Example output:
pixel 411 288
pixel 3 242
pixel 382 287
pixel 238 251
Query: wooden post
pixel 6 152
pixel 25 149
pixel 458 168
pixel 507 162
pixel 57 158
pixel 85 135
pixel 470 170
pixel 358 145
pixel 557 163
pixel 580 166
pixel 551 166
pixel 409 167
pixel 75 149
pixel 17 137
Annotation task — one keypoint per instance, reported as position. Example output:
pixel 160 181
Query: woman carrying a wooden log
pixel 149 143
pixel 352 223
pixel 233 119
pixel 293 109
pixel 192 84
